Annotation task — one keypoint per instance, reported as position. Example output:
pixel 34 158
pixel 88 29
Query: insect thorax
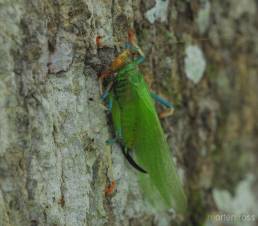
pixel 123 86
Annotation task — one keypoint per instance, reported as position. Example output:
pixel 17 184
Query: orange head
pixel 120 60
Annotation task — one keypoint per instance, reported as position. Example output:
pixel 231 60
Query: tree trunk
pixel 54 162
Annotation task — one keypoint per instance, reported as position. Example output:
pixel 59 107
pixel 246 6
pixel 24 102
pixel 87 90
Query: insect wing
pixel 153 154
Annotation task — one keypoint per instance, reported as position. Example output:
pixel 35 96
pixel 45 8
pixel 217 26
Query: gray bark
pixel 54 162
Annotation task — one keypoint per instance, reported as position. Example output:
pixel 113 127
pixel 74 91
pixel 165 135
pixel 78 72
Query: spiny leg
pixel 106 95
pixel 106 92
pixel 110 104
pixel 139 60
pixel 161 100
pixel 165 103
pixel 165 114
pixel 133 41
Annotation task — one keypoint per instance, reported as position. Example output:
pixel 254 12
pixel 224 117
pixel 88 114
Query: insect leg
pixel 140 59
pixel 102 76
pixel 127 45
pixel 131 161
pixel 165 103
pixel 106 95
pixel 111 141
pixel 132 45
pixel 106 92
pixel 166 114
pixel 110 104
pixel 161 100
pixel 135 48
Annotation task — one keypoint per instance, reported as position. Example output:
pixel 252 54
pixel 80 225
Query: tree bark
pixel 54 161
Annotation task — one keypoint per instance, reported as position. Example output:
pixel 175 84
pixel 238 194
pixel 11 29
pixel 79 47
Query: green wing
pixel 134 114
pixel 153 154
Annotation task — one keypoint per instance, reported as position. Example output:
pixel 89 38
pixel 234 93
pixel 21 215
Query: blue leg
pixel 139 60
pixel 110 104
pixel 107 102
pixel 127 45
pixel 111 141
pixel 106 92
pixel 104 95
pixel 161 100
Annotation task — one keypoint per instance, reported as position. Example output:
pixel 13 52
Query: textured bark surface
pixel 54 163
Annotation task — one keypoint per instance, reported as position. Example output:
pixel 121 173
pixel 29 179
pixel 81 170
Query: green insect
pixel 138 129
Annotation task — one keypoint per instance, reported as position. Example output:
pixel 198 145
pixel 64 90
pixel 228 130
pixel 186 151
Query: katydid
pixel 138 129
